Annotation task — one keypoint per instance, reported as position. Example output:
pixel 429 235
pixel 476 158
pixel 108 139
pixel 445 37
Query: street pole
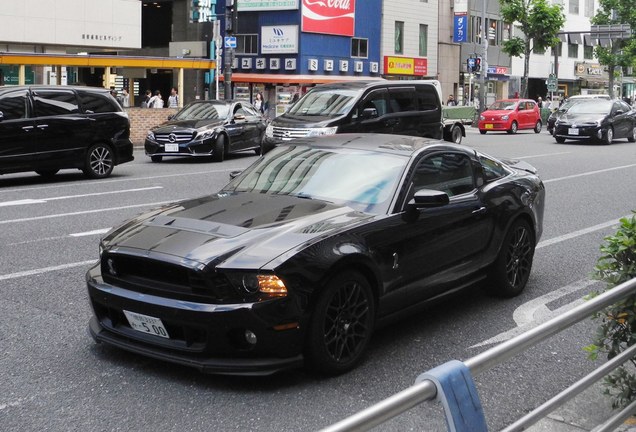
pixel 230 24
pixel 484 59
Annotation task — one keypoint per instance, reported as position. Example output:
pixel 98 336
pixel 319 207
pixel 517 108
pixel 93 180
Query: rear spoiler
pixel 520 165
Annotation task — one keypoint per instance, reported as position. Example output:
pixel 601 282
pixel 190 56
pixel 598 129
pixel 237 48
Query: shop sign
pixel 328 66
pixel 460 28
pixel 405 66
pixel 266 5
pixel 588 69
pixel 497 70
pixel 290 64
pixel 281 39
pixel 461 7
pixel 334 17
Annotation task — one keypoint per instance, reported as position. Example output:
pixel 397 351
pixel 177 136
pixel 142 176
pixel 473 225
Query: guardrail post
pixel 458 394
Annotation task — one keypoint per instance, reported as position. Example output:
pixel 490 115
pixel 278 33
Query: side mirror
pixel 368 113
pixel 620 111
pixel 170 117
pixel 428 198
pixel 234 174
pixel 239 117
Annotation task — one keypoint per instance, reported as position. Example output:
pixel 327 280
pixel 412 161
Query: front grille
pixel 286 134
pixel 176 137
pixel 165 279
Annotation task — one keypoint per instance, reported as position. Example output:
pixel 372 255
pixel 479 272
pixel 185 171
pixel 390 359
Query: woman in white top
pixel 156 101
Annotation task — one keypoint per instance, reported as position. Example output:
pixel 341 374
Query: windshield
pixel 325 102
pixel 503 105
pixel 598 106
pixel 202 111
pixel 362 180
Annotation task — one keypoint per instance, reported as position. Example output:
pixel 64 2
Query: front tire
pixel 513 128
pixel 609 136
pixel 156 158
pixel 632 137
pixel 483 132
pixel 218 153
pixel 510 272
pixel 341 324
pixel 99 161
pixel 560 140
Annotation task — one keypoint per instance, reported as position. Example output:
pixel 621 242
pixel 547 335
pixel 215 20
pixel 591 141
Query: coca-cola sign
pixel 335 17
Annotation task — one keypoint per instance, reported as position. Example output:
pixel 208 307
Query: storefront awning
pixel 78 60
pixel 575 38
pixel 293 79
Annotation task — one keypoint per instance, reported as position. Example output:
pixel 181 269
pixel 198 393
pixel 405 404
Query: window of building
pixel 493 34
pixel 423 40
pixel 475 29
pixel 574 7
pixel 588 52
pixel 588 11
pixel 399 37
pixel 573 50
pixel 247 44
pixel 360 48
pixel 559 50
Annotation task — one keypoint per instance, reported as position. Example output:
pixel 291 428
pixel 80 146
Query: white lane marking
pixel 149 205
pixel 39 271
pixel 90 233
pixel 45 200
pixel 540 155
pixel 535 312
pixel 578 233
pixel 101 182
pixel 588 173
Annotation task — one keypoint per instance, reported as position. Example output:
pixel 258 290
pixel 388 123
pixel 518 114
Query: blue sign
pixel 460 28
pixel 230 41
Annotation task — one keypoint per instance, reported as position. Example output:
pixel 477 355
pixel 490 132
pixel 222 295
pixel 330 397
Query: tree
pixel 539 21
pixel 621 52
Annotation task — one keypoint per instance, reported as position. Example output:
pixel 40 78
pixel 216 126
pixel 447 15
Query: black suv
pixel 48 128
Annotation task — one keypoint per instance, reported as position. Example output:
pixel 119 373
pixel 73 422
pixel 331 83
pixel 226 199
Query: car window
pixel 426 98
pixel 325 102
pixel 250 110
pixel 402 99
pixel 503 105
pixel 447 172
pixel 238 110
pixel 202 111
pixel 55 102
pixel 492 169
pixel 375 99
pixel 13 105
pixel 625 107
pixel 97 103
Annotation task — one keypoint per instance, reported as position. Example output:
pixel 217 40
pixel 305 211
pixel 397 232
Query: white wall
pixel 412 13
pixel 90 23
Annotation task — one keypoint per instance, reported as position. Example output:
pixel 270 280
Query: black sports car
pixel 309 249
pixel 600 120
pixel 208 128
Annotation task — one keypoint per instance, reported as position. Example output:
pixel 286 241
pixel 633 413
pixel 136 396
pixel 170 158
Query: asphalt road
pixel 55 378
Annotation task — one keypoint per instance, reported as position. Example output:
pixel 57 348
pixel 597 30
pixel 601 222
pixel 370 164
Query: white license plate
pixel 172 147
pixel 573 131
pixel 146 324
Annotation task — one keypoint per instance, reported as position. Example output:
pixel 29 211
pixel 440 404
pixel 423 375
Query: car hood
pixel 238 231
pixel 173 125
pixel 581 117
pixel 300 121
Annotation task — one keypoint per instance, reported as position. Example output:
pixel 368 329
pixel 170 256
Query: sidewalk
pixel 585 412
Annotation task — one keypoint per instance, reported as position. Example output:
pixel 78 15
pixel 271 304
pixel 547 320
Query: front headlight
pixel 313 132
pixel 150 136
pixel 209 133
pixel 481 117
pixel 252 283
pixel 269 131
pixel 506 117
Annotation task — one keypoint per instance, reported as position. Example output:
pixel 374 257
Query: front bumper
pixel 208 337
pixel 192 148
pixel 582 132
pixel 494 125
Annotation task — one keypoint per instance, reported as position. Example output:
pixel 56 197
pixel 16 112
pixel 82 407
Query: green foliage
pixel 539 21
pixel 617 323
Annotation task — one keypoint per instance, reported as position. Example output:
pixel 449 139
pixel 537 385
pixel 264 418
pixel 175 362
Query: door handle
pixel 479 211
pixel 27 128
pixel 42 126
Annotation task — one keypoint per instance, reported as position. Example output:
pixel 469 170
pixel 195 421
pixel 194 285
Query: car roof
pixel 35 87
pixel 382 143
pixel 360 84
pixel 593 96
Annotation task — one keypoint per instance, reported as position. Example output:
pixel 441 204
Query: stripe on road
pixel 45 200
pixel 588 173
pixel 45 270
pixel 578 233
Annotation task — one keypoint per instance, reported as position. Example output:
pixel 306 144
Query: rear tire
pixel 510 272
pixel 218 153
pixel 537 127
pixel 456 135
pixel 341 324
pixel 99 161
pixel 632 137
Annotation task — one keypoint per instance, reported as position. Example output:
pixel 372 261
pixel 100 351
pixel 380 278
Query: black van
pixel 48 128
pixel 381 106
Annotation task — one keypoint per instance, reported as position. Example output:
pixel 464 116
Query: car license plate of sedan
pixel 489 125
pixel 146 324
pixel 573 131
pixel 172 147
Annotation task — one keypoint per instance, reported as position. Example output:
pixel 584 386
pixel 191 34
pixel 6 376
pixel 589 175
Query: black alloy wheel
pixel 218 152
pixel 99 161
pixel 511 270
pixel 341 325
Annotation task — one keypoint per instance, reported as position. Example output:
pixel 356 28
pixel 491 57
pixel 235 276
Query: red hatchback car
pixel 510 115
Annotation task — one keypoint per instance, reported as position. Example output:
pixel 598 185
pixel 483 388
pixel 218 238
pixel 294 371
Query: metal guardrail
pixel 426 389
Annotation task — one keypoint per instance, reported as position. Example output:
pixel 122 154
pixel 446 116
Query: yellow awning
pixel 105 61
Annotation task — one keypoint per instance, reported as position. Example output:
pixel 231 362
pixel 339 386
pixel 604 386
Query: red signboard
pixel 405 66
pixel 335 17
